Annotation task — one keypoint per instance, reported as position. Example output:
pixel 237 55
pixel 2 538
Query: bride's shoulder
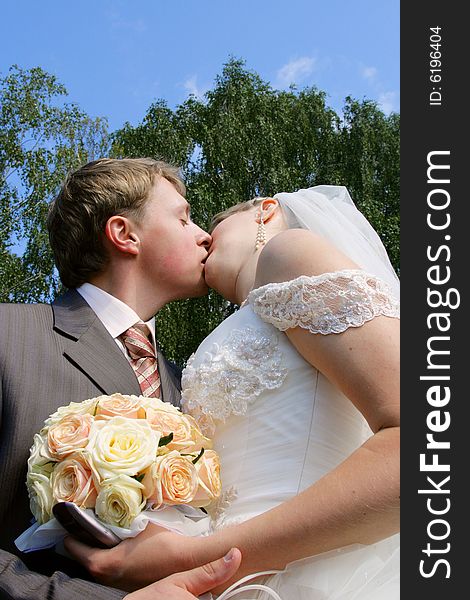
pixel 296 252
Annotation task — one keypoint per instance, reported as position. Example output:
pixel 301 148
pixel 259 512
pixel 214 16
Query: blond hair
pixel 88 198
pixel 242 206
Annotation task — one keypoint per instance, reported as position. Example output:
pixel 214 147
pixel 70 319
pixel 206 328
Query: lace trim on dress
pixel 217 511
pixel 326 303
pixel 232 374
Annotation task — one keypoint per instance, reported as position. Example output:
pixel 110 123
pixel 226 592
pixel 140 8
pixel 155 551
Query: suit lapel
pixel 90 348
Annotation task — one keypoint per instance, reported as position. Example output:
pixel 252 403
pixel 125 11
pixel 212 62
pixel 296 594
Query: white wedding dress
pixel 281 426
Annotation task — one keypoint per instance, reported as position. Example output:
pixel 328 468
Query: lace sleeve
pixel 327 303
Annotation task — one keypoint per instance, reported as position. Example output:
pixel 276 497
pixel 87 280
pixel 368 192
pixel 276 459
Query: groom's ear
pixel 121 234
pixel 268 208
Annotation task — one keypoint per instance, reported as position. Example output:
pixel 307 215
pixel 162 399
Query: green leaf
pixel 198 456
pixel 166 439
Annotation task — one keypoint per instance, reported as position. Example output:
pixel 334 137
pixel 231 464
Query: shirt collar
pixel 115 315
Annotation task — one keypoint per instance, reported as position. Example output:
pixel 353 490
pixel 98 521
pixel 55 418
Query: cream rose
pixel 158 404
pixel 208 470
pixel 40 459
pixel 118 405
pixel 72 481
pixel 40 496
pixel 178 478
pixel 121 446
pixel 69 434
pixel 120 500
pixel 87 407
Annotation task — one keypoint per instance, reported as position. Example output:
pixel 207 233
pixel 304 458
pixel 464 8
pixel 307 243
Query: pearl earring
pixel 261 233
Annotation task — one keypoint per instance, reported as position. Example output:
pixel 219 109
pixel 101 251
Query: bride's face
pixel 233 244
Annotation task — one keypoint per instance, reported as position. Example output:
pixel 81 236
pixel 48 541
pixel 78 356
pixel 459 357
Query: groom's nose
pixel 203 238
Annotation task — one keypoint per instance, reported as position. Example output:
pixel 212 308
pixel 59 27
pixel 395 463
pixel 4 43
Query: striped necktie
pixel 143 358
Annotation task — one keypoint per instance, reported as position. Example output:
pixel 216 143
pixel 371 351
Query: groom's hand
pixel 190 584
pixel 136 562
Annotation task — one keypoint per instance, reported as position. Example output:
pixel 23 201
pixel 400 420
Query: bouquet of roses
pixel 123 457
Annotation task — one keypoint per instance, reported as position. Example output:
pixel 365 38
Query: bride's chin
pixel 218 277
pixel 210 277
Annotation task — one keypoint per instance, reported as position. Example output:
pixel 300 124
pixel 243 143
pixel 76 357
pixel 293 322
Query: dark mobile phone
pixel 83 526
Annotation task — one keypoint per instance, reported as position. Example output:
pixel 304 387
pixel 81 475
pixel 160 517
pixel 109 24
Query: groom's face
pixel 173 248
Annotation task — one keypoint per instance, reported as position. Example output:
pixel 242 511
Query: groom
pixel 124 246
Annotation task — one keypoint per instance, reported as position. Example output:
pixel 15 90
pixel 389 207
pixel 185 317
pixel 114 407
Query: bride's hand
pixel 135 562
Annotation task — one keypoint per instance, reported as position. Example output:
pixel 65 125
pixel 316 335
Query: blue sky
pixel 115 57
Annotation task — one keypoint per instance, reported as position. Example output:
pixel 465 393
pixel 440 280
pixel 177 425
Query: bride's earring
pixel 261 233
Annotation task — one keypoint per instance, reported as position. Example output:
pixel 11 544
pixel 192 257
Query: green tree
pixel 369 152
pixel 243 139
pixel 41 139
pixel 246 139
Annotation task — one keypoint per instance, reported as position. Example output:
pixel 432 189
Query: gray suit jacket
pixel 51 355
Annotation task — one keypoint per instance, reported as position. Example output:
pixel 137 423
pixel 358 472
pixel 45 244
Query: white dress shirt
pixel 115 315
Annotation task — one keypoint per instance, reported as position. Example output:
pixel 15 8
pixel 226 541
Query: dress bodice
pixel 280 425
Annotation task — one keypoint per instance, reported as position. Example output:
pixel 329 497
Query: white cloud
pixel 192 88
pixel 369 73
pixel 295 71
pixel 118 22
pixel 388 102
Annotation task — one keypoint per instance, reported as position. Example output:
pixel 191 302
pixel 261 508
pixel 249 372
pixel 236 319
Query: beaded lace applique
pixel 218 511
pixel 327 303
pixel 233 374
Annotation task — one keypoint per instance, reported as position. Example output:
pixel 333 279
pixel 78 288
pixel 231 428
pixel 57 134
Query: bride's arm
pixel 358 501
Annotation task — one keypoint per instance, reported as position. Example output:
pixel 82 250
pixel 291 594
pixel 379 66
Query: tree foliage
pixel 41 138
pixel 245 139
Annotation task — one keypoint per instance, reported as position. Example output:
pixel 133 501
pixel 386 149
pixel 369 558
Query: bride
pixel 300 390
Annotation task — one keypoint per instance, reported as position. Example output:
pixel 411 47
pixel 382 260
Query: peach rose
pixel 178 479
pixel 198 438
pixel 169 422
pixel 152 487
pixel 118 405
pixel 187 436
pixel 208 470
pixel 72 481
pixel 69 434
pixel 204 422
